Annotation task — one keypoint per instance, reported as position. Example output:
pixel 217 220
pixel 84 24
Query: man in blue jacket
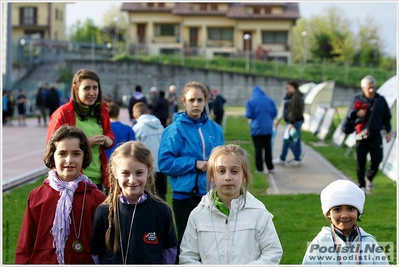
pixel 261 110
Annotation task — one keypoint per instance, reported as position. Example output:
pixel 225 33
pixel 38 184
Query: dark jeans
pixel 181 210
pixel 161 184
pixel 218 119
pixel 262 144
pixel 43 114
pixel 164 122
pixel 296 147
pixel 372 145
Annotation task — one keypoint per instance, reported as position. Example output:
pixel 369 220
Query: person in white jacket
pixel 344 242
pixel 230 226
pixel 148 129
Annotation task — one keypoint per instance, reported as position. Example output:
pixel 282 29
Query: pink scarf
pixel 62 218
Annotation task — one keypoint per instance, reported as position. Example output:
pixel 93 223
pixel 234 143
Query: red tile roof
pixel 235 11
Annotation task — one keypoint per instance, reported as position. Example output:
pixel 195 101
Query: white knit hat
pixel 153 89
pixel 342 192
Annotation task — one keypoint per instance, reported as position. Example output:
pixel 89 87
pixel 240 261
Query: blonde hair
pixel 140 153
pixel 140 108
pixel 195 85
pixel 240 154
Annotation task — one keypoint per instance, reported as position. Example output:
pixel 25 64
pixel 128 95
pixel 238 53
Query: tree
pixel 368 43
pixel 83 32
pixel 332 38
pixel 114 26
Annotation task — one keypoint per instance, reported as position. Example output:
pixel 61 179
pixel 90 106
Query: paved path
pixel 23 149
pixel 311 176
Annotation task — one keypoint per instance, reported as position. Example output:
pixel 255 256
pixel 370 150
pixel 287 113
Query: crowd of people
pixel 47 99
pixel 104 199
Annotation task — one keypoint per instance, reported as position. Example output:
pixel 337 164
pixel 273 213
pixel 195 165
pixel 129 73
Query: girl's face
pixel 88 92
pixel 68 158
pixel 132 177
pixel 194 101
pixel 228 178
pixel 343 217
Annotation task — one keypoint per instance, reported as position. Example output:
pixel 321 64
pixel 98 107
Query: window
pixel 268 10
pixel 56 14
pixel 202 6
pixel 150 4
pixel 27 15
pixel 256 10
pixel 167 30
pixel 220 34
pixel 214 7
pixel 274 37
pixel 161 4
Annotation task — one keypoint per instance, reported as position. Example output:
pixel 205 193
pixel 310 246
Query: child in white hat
pixel 343 242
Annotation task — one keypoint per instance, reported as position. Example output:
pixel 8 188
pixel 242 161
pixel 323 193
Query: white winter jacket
pixel 321 250
pixel 246 236
pixel 148 130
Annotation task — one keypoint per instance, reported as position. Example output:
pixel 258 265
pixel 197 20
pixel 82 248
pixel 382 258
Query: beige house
pixel 207 29
pixel 44 20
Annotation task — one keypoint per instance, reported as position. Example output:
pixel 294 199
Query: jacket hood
pixel 151 121
pixel 257 92
pixel 138 95
pixel 327 231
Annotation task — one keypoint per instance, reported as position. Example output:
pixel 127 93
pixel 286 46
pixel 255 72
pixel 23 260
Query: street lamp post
pixel 305 48
pixel 247 37
pixel 375 46
pixel 116 19
pixel 30 49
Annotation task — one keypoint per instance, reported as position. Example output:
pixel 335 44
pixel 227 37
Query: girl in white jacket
pixel 344 242
pixel 230 226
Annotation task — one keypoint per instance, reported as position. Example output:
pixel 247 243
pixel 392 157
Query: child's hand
pixel 201 165
pixel 98 140
pixel 107 141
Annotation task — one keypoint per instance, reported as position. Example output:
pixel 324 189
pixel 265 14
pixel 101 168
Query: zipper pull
pixel 227 221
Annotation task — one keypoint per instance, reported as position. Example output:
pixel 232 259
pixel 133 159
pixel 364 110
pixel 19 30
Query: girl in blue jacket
pixel 183 154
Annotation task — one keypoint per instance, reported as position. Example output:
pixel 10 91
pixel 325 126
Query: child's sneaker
pixel 369 184
pixel 293 162
pixel 278 161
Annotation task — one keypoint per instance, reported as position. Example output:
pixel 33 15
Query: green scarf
pixel 225 210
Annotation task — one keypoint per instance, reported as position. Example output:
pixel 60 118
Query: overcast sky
pixel 385 14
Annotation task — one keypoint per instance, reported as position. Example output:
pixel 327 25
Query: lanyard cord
pixel 232 239
pixel 77 234
pixel 124 257
pixel 359 241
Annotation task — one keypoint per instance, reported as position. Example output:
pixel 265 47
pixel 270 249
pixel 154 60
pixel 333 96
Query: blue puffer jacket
pixel 261 109
pixel 183 143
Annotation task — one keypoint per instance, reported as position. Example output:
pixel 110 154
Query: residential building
pixel 260 29
pixel 44 20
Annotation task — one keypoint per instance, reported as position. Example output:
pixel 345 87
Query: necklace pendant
pixel 77 246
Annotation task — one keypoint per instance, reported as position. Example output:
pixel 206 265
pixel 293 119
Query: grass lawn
pixel 298 218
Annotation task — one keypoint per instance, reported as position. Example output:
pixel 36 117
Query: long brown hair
pixel 79 76
pixel 140 153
